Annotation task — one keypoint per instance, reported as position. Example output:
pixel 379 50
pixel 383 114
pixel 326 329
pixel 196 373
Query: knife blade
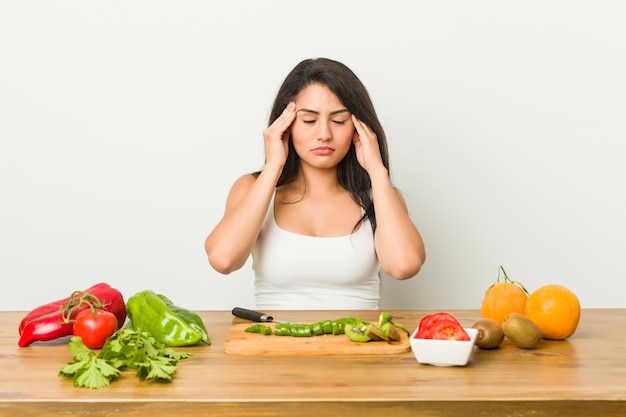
pixel 257 316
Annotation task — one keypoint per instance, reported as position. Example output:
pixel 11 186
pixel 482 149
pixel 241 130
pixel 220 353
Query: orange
pixel 503 298
pixel 555 310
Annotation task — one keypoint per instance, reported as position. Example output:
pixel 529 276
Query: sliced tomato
pixel 427 322
pixel 448 330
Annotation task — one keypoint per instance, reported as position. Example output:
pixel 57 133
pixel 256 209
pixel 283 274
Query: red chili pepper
pixel 48 321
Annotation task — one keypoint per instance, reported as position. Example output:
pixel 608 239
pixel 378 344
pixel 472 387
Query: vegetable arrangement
pixel 355 328
pixel 56 319
pixel 130 348
pixel 95 317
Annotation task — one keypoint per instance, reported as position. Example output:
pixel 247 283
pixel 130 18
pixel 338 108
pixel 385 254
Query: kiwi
pixel 376 334
pixel 490 333
pixel 521 330
pixel 387 333
pixel 357 332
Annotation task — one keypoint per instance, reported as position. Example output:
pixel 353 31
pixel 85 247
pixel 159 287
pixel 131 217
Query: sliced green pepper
pixel 282 329
pixel 259 328
pixel 322 327
pixel 333 327
pixel 327 327
pixel 385 318
pixel 301 330
pixel 317 329
pixel 147 311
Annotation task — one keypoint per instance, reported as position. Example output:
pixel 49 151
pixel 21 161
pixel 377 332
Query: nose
pixel 324 132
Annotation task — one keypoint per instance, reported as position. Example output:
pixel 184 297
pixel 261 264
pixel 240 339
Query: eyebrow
pixel 332 113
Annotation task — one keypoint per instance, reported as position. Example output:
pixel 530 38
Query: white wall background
pixel 123 124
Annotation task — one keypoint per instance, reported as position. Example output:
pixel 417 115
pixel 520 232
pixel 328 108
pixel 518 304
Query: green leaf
pixel 97 374
pixel 171 353
pixel 156 368
pixel 79 350
pixel 128 347
pixel 73 367
pixel 150 346
pixel 106 369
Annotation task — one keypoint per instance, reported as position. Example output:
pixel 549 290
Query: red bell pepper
pixel 49 321
pixel 52 307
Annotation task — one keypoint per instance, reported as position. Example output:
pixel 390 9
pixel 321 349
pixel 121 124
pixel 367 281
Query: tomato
pixel 95 328
pixel 442 326
pixel 427 323
pixel 448 330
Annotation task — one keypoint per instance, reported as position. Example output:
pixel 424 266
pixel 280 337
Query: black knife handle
pixel 244 313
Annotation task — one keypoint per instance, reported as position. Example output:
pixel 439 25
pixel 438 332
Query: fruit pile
pixel 509 310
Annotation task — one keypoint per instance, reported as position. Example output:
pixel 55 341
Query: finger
pixel 282 122
pixel 363 129
pixel 287 116
pixel 289 110
pixel 360 124
pixel 357 123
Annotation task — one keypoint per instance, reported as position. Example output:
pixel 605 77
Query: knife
pixel 244 313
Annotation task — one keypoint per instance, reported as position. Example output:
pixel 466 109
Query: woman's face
pixel 323 130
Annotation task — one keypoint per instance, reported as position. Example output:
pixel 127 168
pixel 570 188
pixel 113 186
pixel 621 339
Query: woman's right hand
pixel 276 137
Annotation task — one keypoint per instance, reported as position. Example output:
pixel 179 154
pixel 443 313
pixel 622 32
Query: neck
pixel 316 182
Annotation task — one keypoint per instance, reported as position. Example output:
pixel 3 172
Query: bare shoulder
pixel 240 188
pixel 245 181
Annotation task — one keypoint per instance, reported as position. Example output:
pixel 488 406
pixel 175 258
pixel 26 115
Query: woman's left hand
pixel 366 146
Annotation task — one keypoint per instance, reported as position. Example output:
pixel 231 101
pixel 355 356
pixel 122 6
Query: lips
pixel 323 150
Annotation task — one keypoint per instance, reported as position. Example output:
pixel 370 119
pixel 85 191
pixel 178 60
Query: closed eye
pixel 339 122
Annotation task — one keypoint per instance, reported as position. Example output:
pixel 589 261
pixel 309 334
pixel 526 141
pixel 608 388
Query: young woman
pixel 322 218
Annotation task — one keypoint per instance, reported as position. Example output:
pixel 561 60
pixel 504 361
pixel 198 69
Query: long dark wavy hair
pixel 354 96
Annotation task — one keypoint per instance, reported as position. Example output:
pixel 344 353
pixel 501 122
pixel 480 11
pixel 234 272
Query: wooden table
pixel 582 376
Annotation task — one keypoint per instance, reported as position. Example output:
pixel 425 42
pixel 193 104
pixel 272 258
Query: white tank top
pixel 299 272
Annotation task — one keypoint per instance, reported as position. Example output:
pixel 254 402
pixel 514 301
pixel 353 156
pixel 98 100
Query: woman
pixel 322 217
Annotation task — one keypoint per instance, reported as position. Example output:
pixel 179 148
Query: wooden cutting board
pixel 239 342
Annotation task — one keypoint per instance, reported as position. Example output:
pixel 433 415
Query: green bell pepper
pixel 191 317
pixel 166 322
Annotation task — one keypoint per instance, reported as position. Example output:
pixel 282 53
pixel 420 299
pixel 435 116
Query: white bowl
pixel 443 352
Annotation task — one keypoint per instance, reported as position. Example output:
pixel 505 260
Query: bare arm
pixel 230 243
pixel 398 243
